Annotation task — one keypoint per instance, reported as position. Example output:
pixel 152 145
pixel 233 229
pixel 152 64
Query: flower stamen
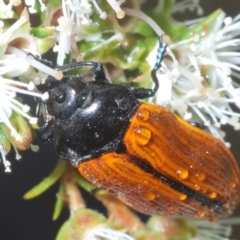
pixel 116 7
pixel 144 17
pixel 33 62
pixel 105 233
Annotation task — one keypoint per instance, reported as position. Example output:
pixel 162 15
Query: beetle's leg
pixel 38 108
pixel 96 189
pixel 45 132
pixel 97 71
pixel 145 92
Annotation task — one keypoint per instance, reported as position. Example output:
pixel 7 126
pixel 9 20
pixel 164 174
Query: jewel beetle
pixel 144 154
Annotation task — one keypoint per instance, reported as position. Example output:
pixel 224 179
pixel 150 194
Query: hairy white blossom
pixel 99 233
pixel 31 5
pixel 201 86
pixel 6 8
pixel 76 15
pixel 219 230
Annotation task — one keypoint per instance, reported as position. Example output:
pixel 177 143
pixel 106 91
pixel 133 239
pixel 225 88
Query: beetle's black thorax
pixel 99 126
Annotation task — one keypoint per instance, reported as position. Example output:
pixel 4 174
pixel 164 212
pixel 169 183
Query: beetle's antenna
pixel 97 70
pixel 160 55
pixel 161 51
pixel 145 92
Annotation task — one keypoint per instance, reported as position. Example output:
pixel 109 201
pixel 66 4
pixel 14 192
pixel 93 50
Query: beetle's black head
pixel 90 118
pixel 64 96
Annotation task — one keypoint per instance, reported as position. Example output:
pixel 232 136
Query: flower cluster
pixel 199 82
pixel 16 43
pixel 202 83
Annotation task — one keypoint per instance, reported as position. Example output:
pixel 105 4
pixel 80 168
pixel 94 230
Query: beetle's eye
pixel 60 98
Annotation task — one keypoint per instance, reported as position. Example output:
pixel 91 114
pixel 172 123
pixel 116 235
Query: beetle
pixel 144 154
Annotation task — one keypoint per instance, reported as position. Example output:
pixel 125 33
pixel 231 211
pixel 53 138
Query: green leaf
pixel 4 140
pixel 54 3
pixel 65 231
pixel 161 14
pixel 92 29
pixel 82 182
pixel 59 202
pixel 43 45
pixel 40 32
pixel 198 28
pixel 48 181
pixel 144 29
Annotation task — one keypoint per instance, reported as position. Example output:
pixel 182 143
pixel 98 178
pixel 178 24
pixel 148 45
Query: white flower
pixel 64 40
pixel 6 163
pixel 6 9
pixel 116 7
pixel 8 103
pixel 31 5
pixel 206 66
pixel 76 15
pixel 99 233
pixel 192 229
pixel 187 4
pixel 9 89
pixel 219 230
pixel 10 34
pixel 199 84
pixel 15 63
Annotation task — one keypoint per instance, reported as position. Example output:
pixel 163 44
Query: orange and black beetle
pixel 143 154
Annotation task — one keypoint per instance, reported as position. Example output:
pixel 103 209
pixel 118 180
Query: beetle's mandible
pixel 143 154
